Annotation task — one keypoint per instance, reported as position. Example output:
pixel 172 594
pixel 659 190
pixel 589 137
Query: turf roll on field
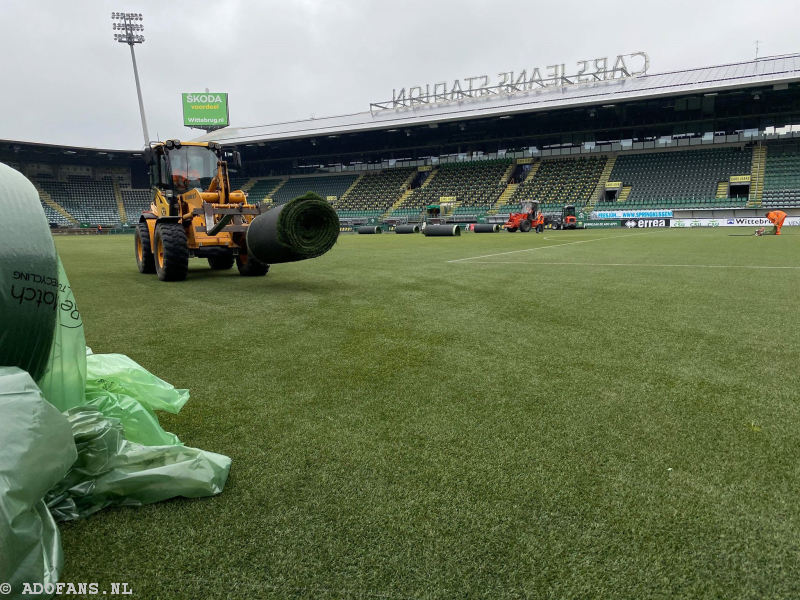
pixel 305 227
pixel 442 230
pixel 486 228
pixel 369 229
pixel 29 273
pixel 407 229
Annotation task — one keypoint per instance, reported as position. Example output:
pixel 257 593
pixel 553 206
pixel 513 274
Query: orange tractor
pixel 567 220
pixel 532 218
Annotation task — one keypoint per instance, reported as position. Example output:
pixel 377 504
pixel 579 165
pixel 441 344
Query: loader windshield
pixel 192 167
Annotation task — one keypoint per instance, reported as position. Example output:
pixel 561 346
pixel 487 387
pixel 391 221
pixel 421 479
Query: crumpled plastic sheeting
pixel 111 470
pixel 120 388
pixel 36 451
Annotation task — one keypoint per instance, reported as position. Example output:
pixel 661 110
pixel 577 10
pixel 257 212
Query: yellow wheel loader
pixel 194 213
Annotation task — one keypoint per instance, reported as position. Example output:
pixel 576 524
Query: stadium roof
pixel 772 70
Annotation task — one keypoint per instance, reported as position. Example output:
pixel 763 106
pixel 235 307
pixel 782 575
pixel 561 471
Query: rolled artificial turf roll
pixel 486 227
pixel 442 230
pixel 305 227
pixel 407 229
pixel 28 277
pixel 369 229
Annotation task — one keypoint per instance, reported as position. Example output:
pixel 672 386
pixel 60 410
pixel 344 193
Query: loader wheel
pixel 525 226
pixel 220 263
pixel 145 260
pixel 172 252
pixel 511 229
pixel 250 267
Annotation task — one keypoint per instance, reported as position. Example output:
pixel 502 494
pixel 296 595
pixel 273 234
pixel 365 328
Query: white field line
pixel 610 237
pixel 580 264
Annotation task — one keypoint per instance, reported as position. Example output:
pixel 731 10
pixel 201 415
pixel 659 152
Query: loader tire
pixel 511 229
pixel 250 267
pixel 525 226
pixel 172 252
pixel 221 263
pixel 145 260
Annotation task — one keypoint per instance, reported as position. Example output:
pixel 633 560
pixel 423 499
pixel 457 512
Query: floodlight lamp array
pixel 125 38
pixel 127 16
pixel 127 28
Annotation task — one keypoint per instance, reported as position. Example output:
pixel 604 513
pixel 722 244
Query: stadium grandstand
pixel 717 141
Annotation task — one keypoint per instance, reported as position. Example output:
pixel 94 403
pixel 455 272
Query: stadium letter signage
pixel 592 70
pixel 205 110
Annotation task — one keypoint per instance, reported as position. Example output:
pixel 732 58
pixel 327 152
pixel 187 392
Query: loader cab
pixel 569 219
pixel 180 167
pixel 531 208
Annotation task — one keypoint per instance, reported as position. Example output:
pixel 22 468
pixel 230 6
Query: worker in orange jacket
pixel 776 217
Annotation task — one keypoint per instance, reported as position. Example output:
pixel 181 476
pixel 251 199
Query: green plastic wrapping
pixel 36 451
pixel 120 388
pixel 305 227
pixel 112 471
pixel 65 374
pixel 28 276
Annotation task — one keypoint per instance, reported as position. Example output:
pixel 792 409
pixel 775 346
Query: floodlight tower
pixel 129 31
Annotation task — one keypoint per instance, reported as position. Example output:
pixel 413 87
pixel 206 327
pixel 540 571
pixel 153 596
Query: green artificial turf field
pixel 579 414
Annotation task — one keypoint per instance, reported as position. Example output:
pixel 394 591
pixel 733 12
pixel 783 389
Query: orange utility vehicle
pixel 194 212
pixel 532 218
pixel 567 220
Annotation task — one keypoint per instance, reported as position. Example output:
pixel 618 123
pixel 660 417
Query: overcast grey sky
pixel 66 81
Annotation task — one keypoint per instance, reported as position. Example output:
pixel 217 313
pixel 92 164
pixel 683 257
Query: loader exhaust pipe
pixel 303 228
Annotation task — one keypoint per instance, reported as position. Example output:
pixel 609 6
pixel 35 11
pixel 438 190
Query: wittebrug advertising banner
pixel 732 222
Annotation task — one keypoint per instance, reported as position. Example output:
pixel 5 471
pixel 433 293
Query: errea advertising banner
pixel 731 222
pixel 644 223
pixel 205 109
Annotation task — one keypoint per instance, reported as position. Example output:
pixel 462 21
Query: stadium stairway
pixel 624 193
pixel 350 189
pixel 48 200
pixel 406 193
pixel 509 192
pixel 410 193
pixel 722 190
pixel 599 190
pixel 248 185
pixel 501 201
pixel 561 181
pixel 123 216
pixel 262 194
pixel 507 174
pixel 757 177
